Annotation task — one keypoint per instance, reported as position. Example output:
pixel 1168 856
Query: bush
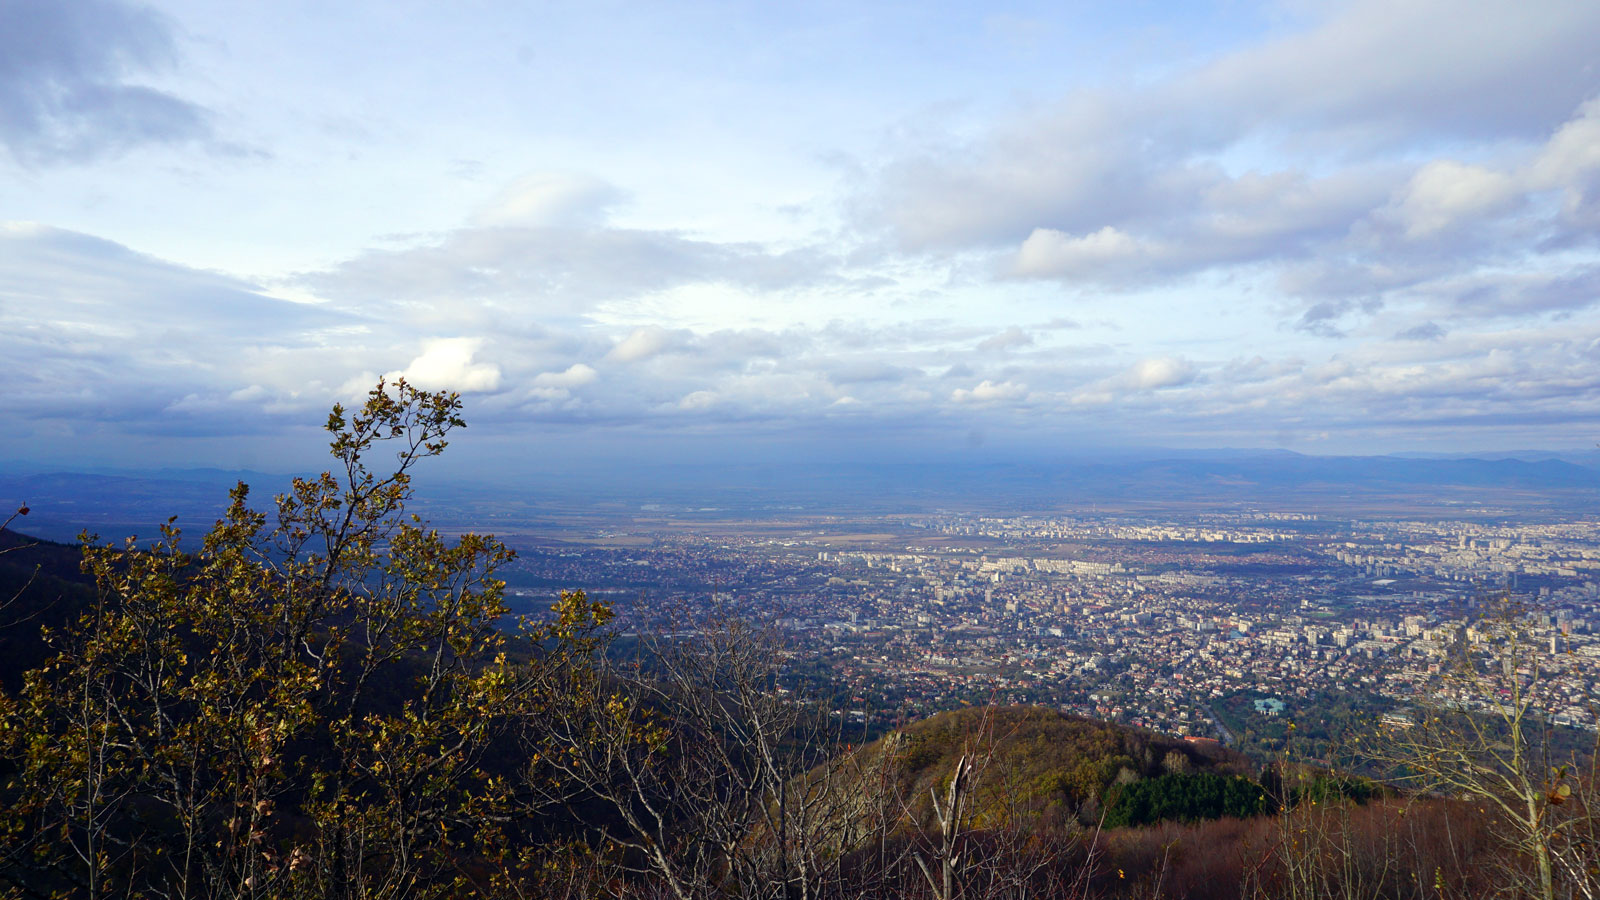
pixel 1185 798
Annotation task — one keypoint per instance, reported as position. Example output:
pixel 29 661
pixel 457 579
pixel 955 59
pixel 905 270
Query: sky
pixel 820 230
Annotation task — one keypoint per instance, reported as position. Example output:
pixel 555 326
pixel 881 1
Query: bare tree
pixel 710 777
pixel 979 840
pixel 21 510
pixel 1485 736
pixel 946 853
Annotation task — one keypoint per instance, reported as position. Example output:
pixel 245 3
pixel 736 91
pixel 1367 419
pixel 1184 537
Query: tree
pixel 1186 798
pixel 715 778
pixel 1485 736
pixel 710 778
pixel 312 708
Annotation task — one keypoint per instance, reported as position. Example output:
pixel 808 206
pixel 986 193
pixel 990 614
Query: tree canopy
pixel 310 702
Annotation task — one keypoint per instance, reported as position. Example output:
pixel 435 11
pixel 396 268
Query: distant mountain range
pixel 115 504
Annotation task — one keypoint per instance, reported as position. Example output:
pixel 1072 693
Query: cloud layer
pixel 1360 226
pixel 66 88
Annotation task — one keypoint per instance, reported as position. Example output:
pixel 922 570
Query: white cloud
pixel 899 375
pixel 1444 192
pixel 1425 157
pixel 1051 253
pixel 1010 339
pixel 1572 153
pixel 640 344
pixel 1146 375
pixel 355 388
pixel 988 391
pixel 699 400
pixel 576 375
pixel 1159 372
pixel 447 364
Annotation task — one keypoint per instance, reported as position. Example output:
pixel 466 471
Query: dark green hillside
pixel 1183 797
pixel 41 585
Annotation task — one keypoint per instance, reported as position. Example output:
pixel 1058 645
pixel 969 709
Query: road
pixel 1211 716
pixel 1227 736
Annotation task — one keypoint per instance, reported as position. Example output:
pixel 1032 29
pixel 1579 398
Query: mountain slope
pixel 1033 761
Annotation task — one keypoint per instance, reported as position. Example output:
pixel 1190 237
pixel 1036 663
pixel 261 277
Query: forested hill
pixel 1039 763
pixel 41 585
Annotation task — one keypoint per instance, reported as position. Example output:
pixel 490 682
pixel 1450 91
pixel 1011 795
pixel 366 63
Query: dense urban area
pixel 1230 627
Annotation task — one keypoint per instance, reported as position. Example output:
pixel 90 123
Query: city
pixel 1180 625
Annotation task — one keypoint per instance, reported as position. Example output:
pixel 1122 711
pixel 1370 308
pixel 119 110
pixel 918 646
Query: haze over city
pixel 824 231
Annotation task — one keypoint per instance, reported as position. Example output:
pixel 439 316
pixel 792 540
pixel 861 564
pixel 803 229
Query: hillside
pixel 41 585
pixel 1037 763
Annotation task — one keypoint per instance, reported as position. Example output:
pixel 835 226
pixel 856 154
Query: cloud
pixel 699 400
pixel 1517 294
pixel 1143 377
pixel 1051 253
pixel 1258 368
pixel 1570 160
pixel 1010 339
pixel 65 88
pixel 641 344
pixel 446 364
pixel 508 275
pixel 1427 331
pixel 550 199
pixel 1217 221
pixel 97 337
pixel 1447 193
pixel 1059 323
pixel 102 336
pixel 988 391
pixel 1322 318
pixel 1404 71
pixel 91 328
pixel 1159 372
pixel 90 284
pixel 576 375
pixel 865 371
pixel 1444 192
pixel 1446 144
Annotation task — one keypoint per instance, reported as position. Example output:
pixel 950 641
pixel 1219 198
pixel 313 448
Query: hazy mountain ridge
pixel 65 502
